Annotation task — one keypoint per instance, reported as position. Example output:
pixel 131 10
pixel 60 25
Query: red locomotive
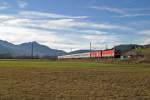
pixel 110 53
pixel 96 54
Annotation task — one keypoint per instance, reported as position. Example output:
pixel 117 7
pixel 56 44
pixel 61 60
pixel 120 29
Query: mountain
pixel 123 48
pixel 4 50
pixel 39 50
pixel 147 46
pixel 79 51
pixel 127 47
pixel 7 48
pixel 25 49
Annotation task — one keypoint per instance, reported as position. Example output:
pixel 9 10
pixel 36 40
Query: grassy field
pixel 68 80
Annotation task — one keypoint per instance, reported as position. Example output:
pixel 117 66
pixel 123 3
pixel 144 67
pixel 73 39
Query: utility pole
pixel 106 46
pixel 90 48
pixel 71 50
pixel 32 50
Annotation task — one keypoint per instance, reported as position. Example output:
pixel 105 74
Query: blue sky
pixel 66 24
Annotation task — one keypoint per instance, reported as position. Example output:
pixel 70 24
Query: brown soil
pixel 75 84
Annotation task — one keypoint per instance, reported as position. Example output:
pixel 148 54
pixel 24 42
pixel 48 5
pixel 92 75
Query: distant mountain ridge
pixel 123 48
pixel 79 51
pixel 129 47
pixel 25 49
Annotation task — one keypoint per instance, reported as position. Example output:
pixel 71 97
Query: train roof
pixel 103 50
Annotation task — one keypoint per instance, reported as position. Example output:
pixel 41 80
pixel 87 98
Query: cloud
pixel 22 3
pixel 124 12
pixel 4 5
pixel 109 9
pixel 56 30
pixel 146 41
pixel 35 14
pixel 73 23
pixel 21 34
pixel 6 17
pixel 57 21
pixel 134 15
pixel 145 35
pixel 98 37
pixel 101 38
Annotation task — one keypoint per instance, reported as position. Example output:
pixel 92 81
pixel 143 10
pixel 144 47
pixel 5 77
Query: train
pixel 109 53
